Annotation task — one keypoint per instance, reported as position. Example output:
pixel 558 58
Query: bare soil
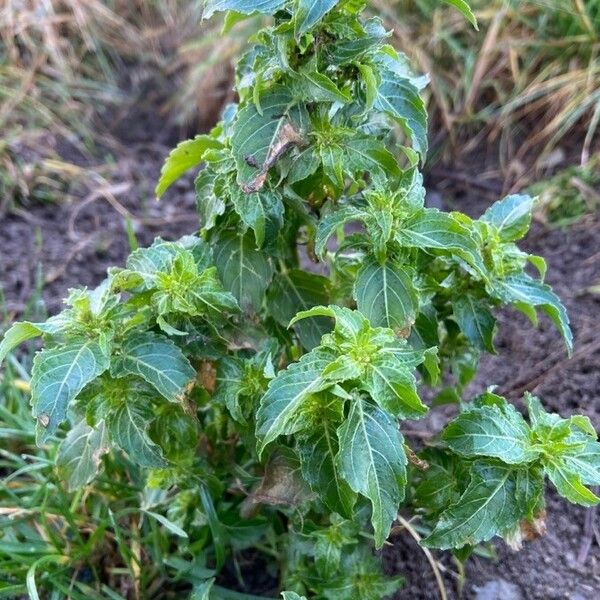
pixel 76 241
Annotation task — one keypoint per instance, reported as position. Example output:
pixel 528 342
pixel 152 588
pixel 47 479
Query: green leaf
pixel 80 453
pixel 385 294
pixel 439 485
pixel 392 385
pixel 210 206
pixel 229 385
pixel 317 450
pixel 203 589
pixel 369 154
pixel 158 361
pixel 262 212
pixel 169 525
pixel 497 431
pixel 292 596
pixel 401 100
pixel 373 462
pixel 244 270
pixel 585 462
pixel 569 484
pixel 431 229
pixel 523 289
pixel 344 52
pixel 128 427
pixel 331 222
pixel 295 291
pixel 280 406
pixel 260 137
pixel 361 577
pixel 17 334
pixel 347 322
pixel 329 544
pixel 183 290
pixel 57 377
pixel 511 216
pixel 145 264
pixel 246 7
pixel 309 12
pixel 465 9
pixel 487 508
pixel 475 321
pixel 186 155
pixel 319 87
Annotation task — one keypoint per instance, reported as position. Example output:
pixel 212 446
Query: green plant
pixel 266 398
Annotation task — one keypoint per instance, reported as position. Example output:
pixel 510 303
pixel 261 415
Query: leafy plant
pixel 262 370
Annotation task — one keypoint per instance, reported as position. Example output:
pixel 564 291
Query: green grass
pixel 99 542
pixel 570 195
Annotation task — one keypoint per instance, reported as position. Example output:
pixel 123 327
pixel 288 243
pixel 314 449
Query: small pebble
pixel 498 589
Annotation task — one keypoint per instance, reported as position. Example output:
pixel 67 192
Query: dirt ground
pixel 74 242
pixel 564 563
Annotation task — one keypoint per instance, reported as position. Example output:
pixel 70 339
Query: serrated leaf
pixel 209 205
pixel 392 385
pixel 246 7
pixel 244 270
pixel 280 406
pixel 145 264
pixel 487 508
pixel 183 157
pixel 525 290
pixel 262 212
pixel 361 577
pixel 330 542
pixel 476 321
pixel 401 100
pixel 511 216
pixel 317 450
pixel 295 291
pixel 432 229
pixel 494 431
pixel 317 86
pixel 464 8
pixel 331 222
pixel 228 386
pixel 347 322
pixel 309 12
pixel 256 134
pixel 385 294
pixel 184 290
pixel 80 454
pixel 128 427
pixel 372 460
pixel 158 361
pixel 439 484
pixel 369 154
pixel 292 596
pixel 569 484
pixel 57 377
pixel 585 462
pixel 345 52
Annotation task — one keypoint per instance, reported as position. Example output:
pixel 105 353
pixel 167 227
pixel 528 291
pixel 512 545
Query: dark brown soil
pixel 555 566
pixel 72 243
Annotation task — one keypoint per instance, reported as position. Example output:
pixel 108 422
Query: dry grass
pixel 70 69
pixel 527 82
